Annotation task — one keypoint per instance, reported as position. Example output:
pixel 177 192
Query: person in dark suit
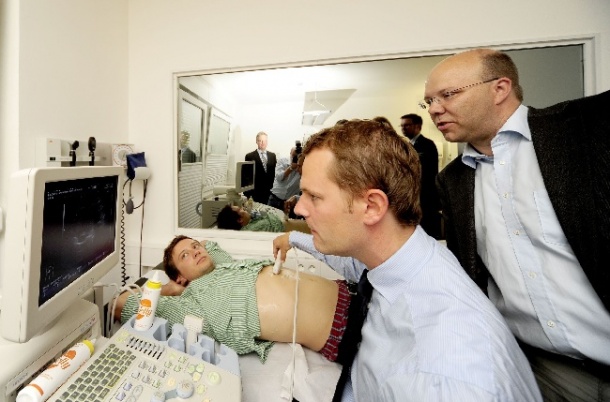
pixel 264 162
pixel 410 124
pixel 186 153
pixel 527 213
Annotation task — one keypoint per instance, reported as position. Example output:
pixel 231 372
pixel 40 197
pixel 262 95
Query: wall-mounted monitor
pixel 62 236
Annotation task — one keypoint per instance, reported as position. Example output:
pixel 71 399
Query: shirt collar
pixel 516 124
pixel 390 278
pixel 414 139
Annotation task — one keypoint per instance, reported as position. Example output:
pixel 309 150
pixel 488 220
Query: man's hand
pixel 120 302
pixel 281 243
pixel 169 289
pixel 290 203
pixel 292 168
pixel 172 288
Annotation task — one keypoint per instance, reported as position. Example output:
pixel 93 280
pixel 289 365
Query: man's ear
pixel 181 280
pixel 502 88
pixel 376 206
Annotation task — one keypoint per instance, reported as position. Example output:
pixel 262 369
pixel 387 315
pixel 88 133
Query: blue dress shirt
pixel 521 242
pixel 430 333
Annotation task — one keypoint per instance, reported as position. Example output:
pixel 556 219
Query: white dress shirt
pixel 537 283
pixel 284 188
pixel 430 333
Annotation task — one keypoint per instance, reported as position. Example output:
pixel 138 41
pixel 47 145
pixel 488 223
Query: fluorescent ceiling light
pixel 316 112
pixel 315 118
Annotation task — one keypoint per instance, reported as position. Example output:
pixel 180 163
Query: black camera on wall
pixel 298 150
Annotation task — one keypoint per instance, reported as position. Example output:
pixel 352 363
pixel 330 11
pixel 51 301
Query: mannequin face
pixel 244 216
pixel 191 260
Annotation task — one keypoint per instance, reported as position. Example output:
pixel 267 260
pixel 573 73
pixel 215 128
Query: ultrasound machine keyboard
pixel 133 368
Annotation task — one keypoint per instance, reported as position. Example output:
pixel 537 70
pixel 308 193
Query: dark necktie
pixel 354 323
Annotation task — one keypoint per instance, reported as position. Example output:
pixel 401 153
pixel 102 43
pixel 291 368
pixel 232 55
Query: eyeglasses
pixel 445 96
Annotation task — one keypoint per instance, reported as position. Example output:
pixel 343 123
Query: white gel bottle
pixel 148 303
pixel 47 382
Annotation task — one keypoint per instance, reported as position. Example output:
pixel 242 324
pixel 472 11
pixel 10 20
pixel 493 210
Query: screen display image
pixel 63 231
pixel 79 220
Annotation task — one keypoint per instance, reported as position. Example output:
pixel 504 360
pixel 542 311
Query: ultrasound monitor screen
pixel 78 230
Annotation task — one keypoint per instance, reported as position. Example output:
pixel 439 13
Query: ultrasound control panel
pixel 131 367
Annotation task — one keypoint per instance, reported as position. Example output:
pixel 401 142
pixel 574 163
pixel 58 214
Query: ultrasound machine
pixel 62 236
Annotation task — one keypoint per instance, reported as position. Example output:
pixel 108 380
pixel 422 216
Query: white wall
pixel 215 35
pixel 63 74
pixel 80 68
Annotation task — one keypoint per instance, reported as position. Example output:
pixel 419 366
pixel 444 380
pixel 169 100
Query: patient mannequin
pixel 233 217
pixel 200 275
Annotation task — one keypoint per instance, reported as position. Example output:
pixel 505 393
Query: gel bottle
pixel 47 382
pixel 148 304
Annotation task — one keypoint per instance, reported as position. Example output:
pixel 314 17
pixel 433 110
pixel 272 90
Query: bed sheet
pixel 314 380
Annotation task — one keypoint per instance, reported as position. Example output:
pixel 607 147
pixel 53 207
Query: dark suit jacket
pixel 187 155
pixel 263 181
pixel 572 144
pixel 430 204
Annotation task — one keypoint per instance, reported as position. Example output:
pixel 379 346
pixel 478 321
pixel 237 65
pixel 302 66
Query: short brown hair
pixel 368 154
pixel 499 64
pixel 384 120
pixel 168 264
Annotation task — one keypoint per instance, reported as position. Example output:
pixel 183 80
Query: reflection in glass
pixel 191 128
pixel 391 86
pixel 191 124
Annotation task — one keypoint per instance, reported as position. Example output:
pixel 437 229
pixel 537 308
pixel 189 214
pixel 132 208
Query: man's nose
pixel 435 108
pixel 299 208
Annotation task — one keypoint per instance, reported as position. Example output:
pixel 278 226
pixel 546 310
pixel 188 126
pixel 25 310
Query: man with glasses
pixel 527 213
pixel 410 124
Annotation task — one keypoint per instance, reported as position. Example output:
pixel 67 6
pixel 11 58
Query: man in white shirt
pixel 429 333
pixel 286 181
pixel 527 214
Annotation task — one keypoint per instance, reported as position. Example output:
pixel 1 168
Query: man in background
pixel 527 214
pixel 264 162
pixel 186 153
pixel 410 124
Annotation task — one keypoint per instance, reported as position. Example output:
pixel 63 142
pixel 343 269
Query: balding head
pixel 471 95
pixel 482 64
